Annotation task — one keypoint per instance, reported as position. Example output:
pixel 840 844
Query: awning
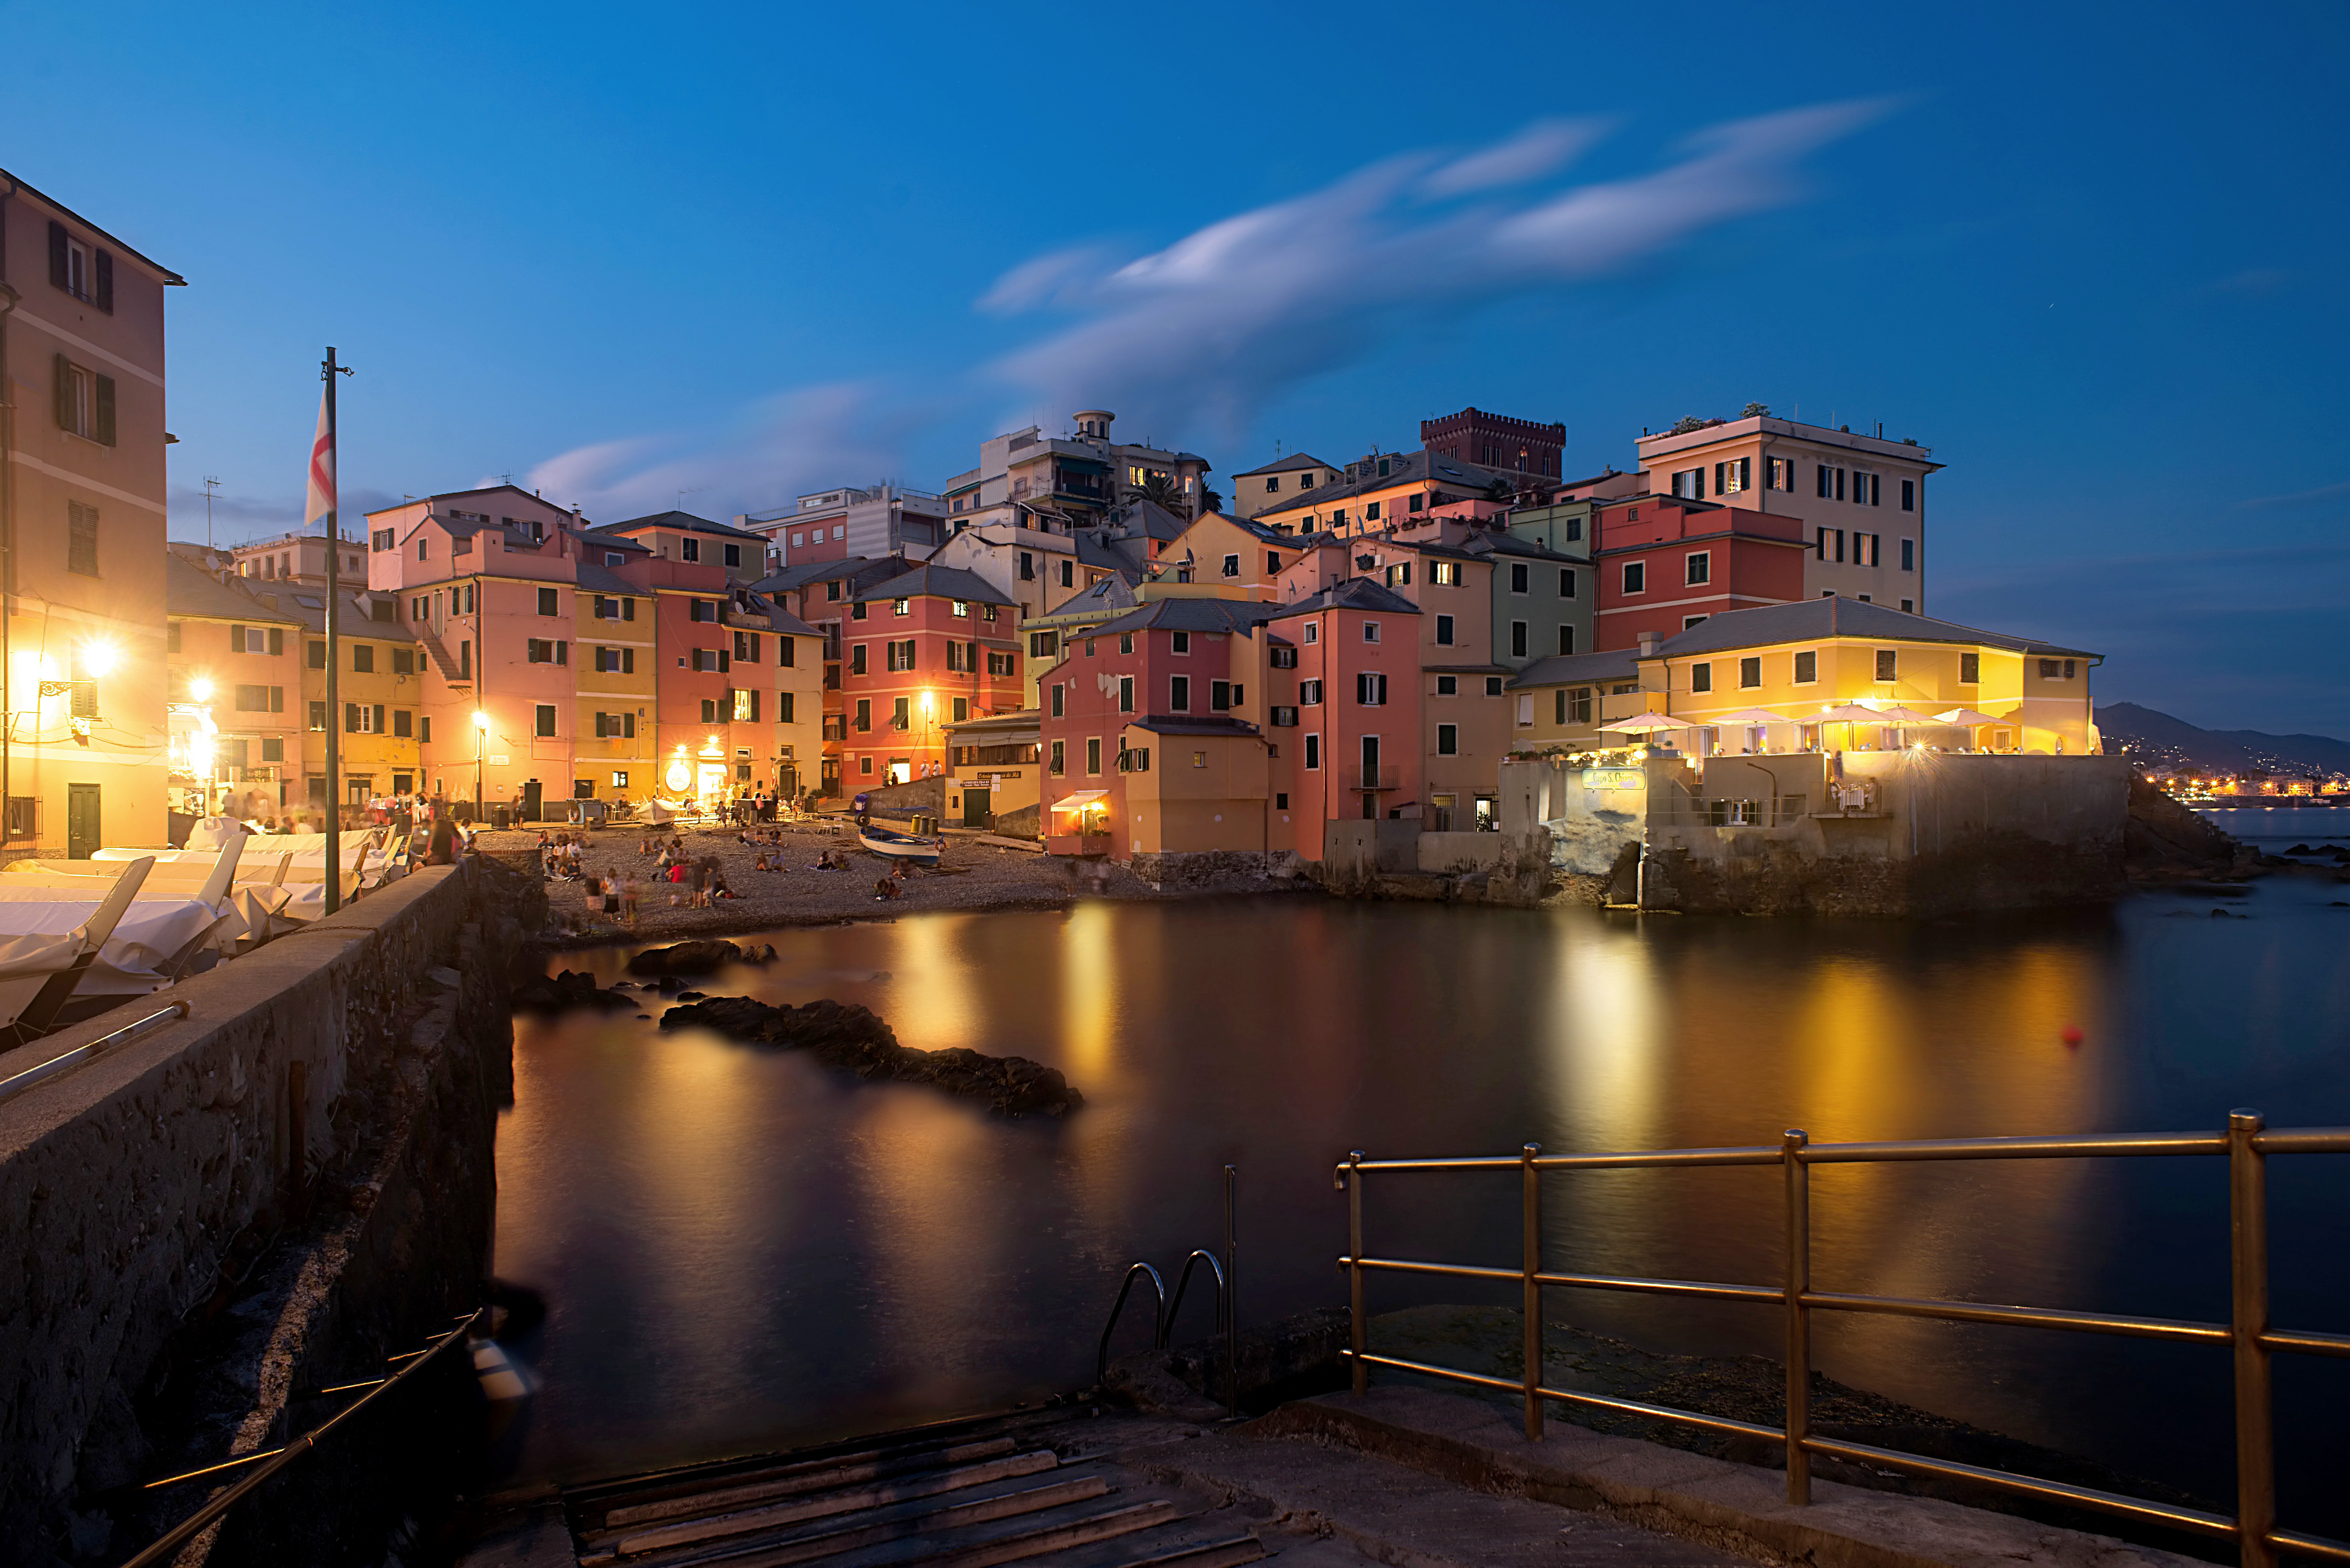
pixel 1078 798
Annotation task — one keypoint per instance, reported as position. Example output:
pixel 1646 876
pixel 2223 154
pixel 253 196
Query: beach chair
pixel 41 1014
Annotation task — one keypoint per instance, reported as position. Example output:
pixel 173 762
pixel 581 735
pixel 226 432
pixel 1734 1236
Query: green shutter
pixel 62 396
pixel 351 718
pixel 236 638
pixel 277 639
pixel 105 432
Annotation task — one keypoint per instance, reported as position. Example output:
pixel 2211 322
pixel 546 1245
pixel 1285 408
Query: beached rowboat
pixel 891 845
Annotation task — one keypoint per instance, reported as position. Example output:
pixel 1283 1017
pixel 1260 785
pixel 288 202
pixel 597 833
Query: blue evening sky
pixel 2093 256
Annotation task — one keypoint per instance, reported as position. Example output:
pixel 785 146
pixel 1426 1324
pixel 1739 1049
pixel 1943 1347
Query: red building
pixel 1665 563
pixel 1358 709
pixel 1496 441
pixel 927 648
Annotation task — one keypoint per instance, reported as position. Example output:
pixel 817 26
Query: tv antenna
pixel 210 485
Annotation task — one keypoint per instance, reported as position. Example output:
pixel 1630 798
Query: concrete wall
pixel 926 797
pixel 151 1205
pixel 1452 853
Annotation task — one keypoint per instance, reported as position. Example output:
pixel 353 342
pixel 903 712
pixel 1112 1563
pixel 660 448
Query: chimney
pixel 1647 645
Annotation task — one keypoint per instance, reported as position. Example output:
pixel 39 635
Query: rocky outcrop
pixel 854 1040
pixel 565 992
pixel 697 958
pixel 2164 841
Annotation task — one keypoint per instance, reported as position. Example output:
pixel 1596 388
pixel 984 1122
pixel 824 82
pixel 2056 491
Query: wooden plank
pixel 1052 1538
pixel 688 1531
pixel 856 1537
pixel 816 1475
pixel 1229 1553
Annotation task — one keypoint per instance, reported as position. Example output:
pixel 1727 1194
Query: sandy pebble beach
pixel 972 875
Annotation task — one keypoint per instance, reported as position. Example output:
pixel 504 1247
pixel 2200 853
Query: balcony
pixel 1376 781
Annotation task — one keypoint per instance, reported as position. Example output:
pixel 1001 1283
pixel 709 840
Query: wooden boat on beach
pixel 891 845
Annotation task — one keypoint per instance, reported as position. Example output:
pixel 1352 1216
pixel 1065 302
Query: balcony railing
pixel 1376 781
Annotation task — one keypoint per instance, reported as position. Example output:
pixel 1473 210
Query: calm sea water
pixel 741 1250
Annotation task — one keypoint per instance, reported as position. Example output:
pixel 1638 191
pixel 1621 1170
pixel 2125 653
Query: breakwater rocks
pixel 566 990
pixel 698 957
pixel 854 1039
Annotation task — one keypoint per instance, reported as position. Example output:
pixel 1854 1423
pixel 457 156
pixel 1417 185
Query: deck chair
pixel 223 876
pixel 41 1014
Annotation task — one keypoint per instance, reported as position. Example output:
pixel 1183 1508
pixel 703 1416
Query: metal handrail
pixel 1101 1357
pixel 88 1050
pixel 2246 1144
pixel 277 1459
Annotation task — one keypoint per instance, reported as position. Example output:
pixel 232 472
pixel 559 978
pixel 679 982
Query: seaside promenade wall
pixel 271 1195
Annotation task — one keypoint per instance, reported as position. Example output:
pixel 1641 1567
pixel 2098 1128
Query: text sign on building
pixel 1614 778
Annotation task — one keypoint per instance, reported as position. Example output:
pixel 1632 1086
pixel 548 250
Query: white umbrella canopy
pixel 1850 713
pixel 1967 716
pixel 1897 714
pixel 1649 723
pixel 1754 716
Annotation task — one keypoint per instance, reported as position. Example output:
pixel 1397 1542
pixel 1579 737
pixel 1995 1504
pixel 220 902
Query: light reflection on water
pixel 741 1249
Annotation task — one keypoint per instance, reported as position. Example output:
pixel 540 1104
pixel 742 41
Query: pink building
pixel 486 583
pixel 1359 709
pixel 931 647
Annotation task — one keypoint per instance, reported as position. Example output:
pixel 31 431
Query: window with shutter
pixel 105 270
pixel 60 257
pixel 102 426
pixel 81 539
pixel 277 643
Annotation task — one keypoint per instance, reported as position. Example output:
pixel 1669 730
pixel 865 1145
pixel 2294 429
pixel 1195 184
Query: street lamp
pixel 481 739
pixel 926 725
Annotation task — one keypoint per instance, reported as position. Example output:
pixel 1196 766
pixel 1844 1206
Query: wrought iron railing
pixel 2250 1338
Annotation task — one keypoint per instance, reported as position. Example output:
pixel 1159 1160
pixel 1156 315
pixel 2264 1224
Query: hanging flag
pixel 321 499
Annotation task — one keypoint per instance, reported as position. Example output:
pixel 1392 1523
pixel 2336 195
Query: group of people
pixel 563 857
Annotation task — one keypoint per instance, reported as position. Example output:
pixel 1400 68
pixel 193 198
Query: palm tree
pixel 1162 491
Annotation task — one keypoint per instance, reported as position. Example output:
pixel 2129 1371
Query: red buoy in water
pixel 2072 1034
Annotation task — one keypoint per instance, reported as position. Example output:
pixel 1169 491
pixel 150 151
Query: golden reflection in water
pixel 932 1005
pixel 1845 1022
pixel 1090 963
pixel 1610 1040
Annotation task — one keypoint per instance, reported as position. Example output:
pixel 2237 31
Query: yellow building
pixel 1796 661
pixel 379 688
pixel 613 682
pixel 991 767
pixel 1193 784
pixel 1229 553
pixel 233 687
pixel 798 731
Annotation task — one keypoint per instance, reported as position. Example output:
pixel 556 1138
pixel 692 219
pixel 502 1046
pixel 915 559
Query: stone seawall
pixel 270 1196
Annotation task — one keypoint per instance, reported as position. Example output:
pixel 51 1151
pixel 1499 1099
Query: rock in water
pixel 566 990
pixel 686 957
pixel 852 1038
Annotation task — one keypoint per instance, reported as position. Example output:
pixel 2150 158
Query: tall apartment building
pixel 299 557
pixel 1861 499
pixel 1273 484
pixel 234 678
pixel 927 649
pixel 1497 442
pixel 82 562
pixel 1064 483
pixel 851 523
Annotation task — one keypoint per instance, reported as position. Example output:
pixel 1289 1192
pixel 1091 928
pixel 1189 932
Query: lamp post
pixel 481 739
pixel 926 724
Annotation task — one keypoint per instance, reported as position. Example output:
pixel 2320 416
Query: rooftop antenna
pixel 210 485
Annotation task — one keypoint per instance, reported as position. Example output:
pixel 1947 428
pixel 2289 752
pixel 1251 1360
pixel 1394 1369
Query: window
pixel 1699 567
pixel 1370 631
pixel 783 706
pixel 363 657
pixel 1807 668
pixel 1690 620
pixel 1060 700
pixel 899 655
pixel 1231 565
pixel 1126 642
pixel 1828 545
pixel 746 647
pixel 1688 483
pixel 1283 658
pixel 273 747
pixel 961 710
pixel 1519 572
pixel 1284 717
pixel 1970 669
pixel 857 610
pixel 1444 573
pixel 960 610
pixel 1909 495
pixel 257 700
pixel 1000 664
pixel 1909 554
pixel 545 717
pixel 422 545
pixel 379 541
pixel 1567 581
pixel 1093 756
pixel 548 651
pixel 1371 513
pixel 1909 606
pixel 1044 644
pixel 747 705
pixel 1179 694
pixel 1309 693
pixel 696 610
pixel 403 662
pixel 1312 631
pixel 1179 641
pixel 1574 705
pixel 318 715
pixel 1701 677
pixel 2056 669
pixel 1183 698
pixel 1448 685
pixel 1313 753
pixel 1887 660
pixel 1636 577
pixel 621 780
pixel 1863 549
pixel 1447 739
pixel 1750 672
pixel 689 550
pixel 547 602
pixel 1399 575
pixel 733 553
pixel 81 539
pixel 1221 695
pixel 614 558
pixel 1060 760
pixel 1371 689
pixel 863 714
pixel 85 402
pixel 1566 639
pixel 403 722
pixel 365 718
pixel 1272 563
pixel 1444 631
pixel 1866 488
pixel 1517 639
pixel 1068 573
pixel 856 659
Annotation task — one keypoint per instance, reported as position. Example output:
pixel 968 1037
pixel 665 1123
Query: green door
pixel 84 835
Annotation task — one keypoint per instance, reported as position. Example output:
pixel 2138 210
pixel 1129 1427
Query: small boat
pixel 891 845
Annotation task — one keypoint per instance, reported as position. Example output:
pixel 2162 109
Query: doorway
pixel 976 804
pixel 1370 780
pixel 85 836
pixel 531 790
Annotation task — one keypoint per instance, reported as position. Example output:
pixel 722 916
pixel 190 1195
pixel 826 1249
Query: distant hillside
pixel 2174 742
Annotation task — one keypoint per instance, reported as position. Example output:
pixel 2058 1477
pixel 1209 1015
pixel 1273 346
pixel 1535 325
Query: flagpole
pixel 334 858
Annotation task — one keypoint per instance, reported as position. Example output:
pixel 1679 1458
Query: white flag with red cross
pixel 321 499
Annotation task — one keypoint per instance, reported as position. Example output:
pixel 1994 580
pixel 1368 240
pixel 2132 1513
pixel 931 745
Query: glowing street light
pixel 481 739
pixel 201 689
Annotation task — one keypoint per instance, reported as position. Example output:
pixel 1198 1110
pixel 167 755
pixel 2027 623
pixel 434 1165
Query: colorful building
pixel 82 505
pixel 1274 483
pixel 615 674
pixel 1665 564
pixel 1796 661
pixel 929 648
pixel 234 696
pixel 378 695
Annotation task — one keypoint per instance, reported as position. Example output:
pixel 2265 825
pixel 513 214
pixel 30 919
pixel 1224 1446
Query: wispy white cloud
pixel 1209 330
pixel 1191 340
pixel 2323 492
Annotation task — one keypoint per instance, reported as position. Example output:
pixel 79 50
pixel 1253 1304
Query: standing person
pixel 629 899
pixel 440 843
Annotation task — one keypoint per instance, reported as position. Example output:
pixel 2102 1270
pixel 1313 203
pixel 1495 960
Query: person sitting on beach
pixel 886 888
pixel 759 863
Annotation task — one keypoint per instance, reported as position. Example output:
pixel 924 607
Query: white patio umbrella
pixel 1968 717
pixel 1897 714
pixel 1649 724
pixel 1754 716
